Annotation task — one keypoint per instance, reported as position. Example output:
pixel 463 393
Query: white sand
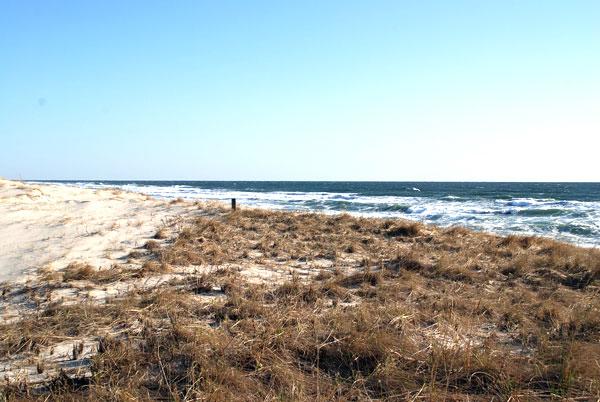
pixel 52 225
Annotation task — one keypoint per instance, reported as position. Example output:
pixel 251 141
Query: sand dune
pixel 53 225
pixel 249 304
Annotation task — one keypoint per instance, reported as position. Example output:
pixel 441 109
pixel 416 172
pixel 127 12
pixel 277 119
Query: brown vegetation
pixel 370 309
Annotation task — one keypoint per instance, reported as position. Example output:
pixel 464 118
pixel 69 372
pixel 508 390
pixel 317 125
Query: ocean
pixel 563 211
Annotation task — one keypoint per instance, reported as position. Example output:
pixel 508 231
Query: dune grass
pixel 369 309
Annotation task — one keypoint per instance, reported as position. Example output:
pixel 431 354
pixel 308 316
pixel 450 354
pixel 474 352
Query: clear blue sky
pixel 300 90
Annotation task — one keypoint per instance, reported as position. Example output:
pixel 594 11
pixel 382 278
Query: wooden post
pixel 233 204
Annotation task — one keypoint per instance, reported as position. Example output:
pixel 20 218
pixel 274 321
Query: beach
pixel 288 201
pixel 112 294
pixel 49 226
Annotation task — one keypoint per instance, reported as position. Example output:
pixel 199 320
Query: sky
pixel 300 90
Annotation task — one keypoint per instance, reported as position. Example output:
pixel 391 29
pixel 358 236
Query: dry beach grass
pixel 265 305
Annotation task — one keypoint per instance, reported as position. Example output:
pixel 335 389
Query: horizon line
pixel 309 181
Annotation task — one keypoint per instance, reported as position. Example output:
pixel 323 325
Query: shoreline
pixel 44 215
pixel 513 208
pixel 390 294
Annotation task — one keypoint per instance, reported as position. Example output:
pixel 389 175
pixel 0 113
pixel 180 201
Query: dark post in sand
pixel 233 204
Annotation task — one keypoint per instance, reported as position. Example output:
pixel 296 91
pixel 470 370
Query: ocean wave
pixel 542 212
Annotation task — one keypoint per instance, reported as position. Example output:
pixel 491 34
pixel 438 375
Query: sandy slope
pixel 53 225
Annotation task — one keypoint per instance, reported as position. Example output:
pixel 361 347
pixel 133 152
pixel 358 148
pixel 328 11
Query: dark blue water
pixel 559 191
pixel 565 211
